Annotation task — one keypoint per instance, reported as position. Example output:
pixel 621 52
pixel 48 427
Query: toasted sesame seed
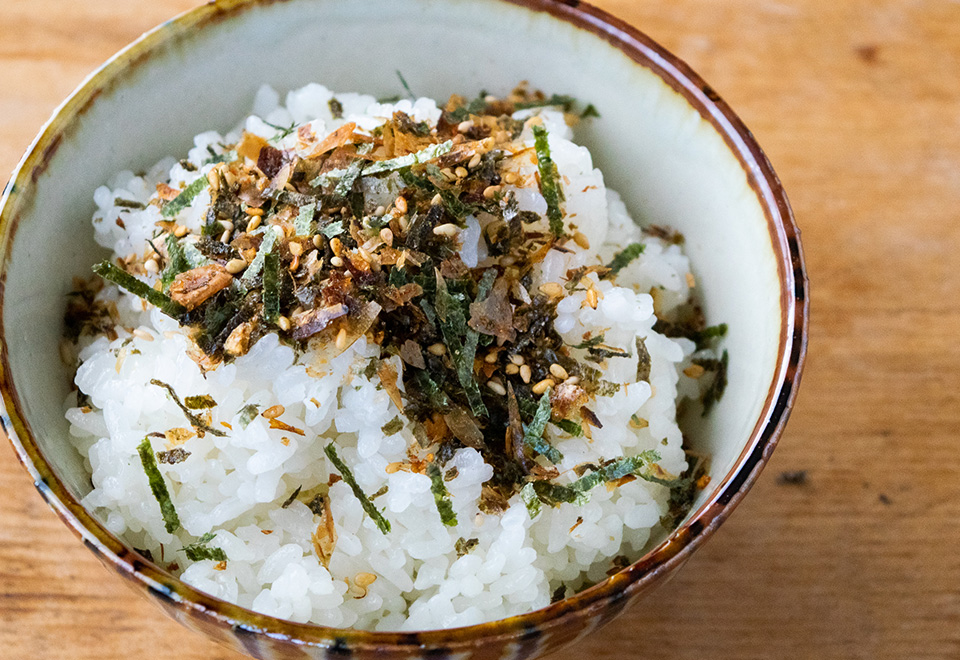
pixel 142 334
pixel 393 468
pixel 296 249
pixel 510 177
pixel 336 262
pixel 490 358
pixel 491 191
pixel 592 298
pixel 253 210
pixel 508 260
pixel 342 339
pixel 284 323
pixel 317 240
pixel 543 386
pixel 227 225
pixel 517 359
pixel 437 349
pixel 401 204
pixel 694 371
pixel 465 126
pixel 461 172
pixel 573 380
pixel 336 245
pixel 404 224
pixel 225 236
pixel 273 412
pixel 639 422
pixel 474 161
pixel 180 231
pixel 512 369
pixel 691 280
pixel 364 255
pixel 581 239
pixel 254 222
pixel 525 373
pixel 449 230
pixel 551 289
pixel 496 386
pixel 448 174
pixel 558 372
pixel 386 236
pixel 364 580
pixel 151 266
pixel 235 266
pixel 380 210
pixel 437 200
pixel 213 178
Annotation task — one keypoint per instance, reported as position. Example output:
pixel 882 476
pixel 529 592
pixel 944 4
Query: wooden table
pixel 857 103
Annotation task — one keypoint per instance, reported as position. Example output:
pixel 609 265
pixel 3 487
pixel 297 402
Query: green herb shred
pixel 185 198
pixel 304 222
pixel 125 280
pixel 530 499
pixel 533 435
pixel 441 496
pixel 176 263
pixel 589 111
pixel 332 229
pixel 200 550
pixel 624 257
pixel 392 427
pixel 195 421
pixel 549 180
pixel 382 523
pixel 271 287
pixel 171 521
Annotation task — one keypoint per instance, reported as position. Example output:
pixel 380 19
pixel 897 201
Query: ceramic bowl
pixel 675 151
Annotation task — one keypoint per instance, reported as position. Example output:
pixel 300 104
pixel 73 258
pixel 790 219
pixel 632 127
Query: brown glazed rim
pixel 608 597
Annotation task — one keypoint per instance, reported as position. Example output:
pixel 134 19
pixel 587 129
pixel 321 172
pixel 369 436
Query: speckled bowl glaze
pixel 666 141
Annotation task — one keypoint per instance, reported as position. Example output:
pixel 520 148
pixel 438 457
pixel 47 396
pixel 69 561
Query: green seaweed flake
pixel 623 258
pixel 549 180
pixel 171 521
pixel 382 523
pixel 185 198
pixel 200 550
pixel 441 496
pixel 125 280
pixel 533 434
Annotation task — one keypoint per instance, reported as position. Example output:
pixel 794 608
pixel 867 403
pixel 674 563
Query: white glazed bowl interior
pixel 671 166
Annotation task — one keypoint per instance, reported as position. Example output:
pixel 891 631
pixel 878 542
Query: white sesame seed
pixel 465 126
pixel 235 266
pixel 497 387
pixel 449 230
pixel 437 349
pixel 525 373
pixel 336 262
pixel 474 161
pixel 543 386
pixel 559 372
pixel 151 266
pixel 296 249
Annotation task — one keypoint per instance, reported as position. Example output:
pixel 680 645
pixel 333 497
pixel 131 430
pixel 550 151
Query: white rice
pixel 233 486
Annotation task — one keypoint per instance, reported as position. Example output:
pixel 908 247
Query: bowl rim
pixel 612 594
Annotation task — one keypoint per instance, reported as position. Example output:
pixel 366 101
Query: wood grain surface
pixel 857 104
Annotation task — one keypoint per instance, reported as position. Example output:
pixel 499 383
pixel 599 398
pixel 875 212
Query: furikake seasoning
pixel 356 234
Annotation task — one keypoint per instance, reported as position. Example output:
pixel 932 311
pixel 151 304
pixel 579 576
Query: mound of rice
pixel 413 578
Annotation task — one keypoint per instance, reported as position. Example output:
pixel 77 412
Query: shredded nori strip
pixel 571 427
pixel 345 184
pixel 176 263
pixel 199 550
pixel 271 287
pixel 530 499
pixel 185 198
pixel 171 521
pixel 461 341
pixel 125 280
pixel 715 392
pixel 549 180
pixel 382 523
pixel 590 111
pixel 250 275
pixel 623 258
pixel 441 496
pixel 590 343
pixel 193 419
pixel 704 337
pixel 293 496
pixel 533 434
pixel 333 229
pixel 304 222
